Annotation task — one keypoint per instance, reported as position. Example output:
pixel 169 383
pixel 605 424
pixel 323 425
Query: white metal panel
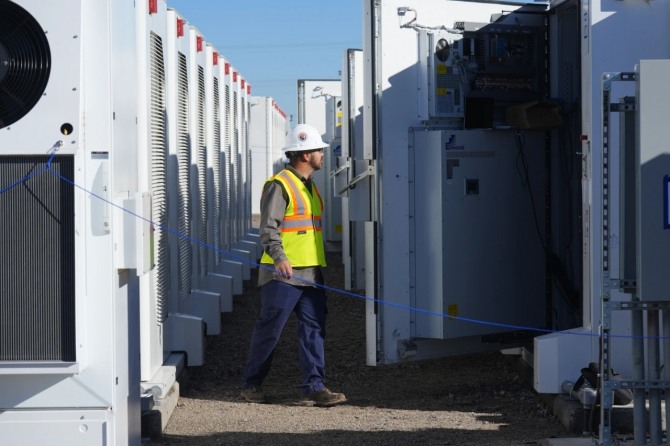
pixel 228 154
pixel 246 216
pixel 260 146
pixel 281 126
pixel 653 181
pixel 213 143
pixel 178 110
pixel 235 155
pixel 189 309
pixel 223 149
pixel 475 249
pixel 199 151
pixel 152 169
pixel 60 103
pixel 245 200
pixel 333 153
pixel 76 428
pixel 206 279
pixel 313 97
pixel 356 201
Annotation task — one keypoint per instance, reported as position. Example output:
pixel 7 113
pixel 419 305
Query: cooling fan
pixel 25 62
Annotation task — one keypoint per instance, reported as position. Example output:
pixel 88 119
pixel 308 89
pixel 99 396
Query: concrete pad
pixel 155 420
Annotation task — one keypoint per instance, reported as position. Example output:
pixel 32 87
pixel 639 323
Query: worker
pixel 291 272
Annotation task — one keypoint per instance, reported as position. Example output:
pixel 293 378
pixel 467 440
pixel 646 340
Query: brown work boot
pixel 322 398
pixel 253 395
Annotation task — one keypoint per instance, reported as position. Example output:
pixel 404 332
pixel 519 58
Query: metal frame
pixel 641 384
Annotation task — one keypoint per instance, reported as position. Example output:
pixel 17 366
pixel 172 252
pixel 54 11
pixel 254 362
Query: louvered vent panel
pixel 247 205
pixel 227 174
pixel 245 169
pixel 37 277
pixel 216 176
pixel 202 175
pixel 236 168
pixel 184 167
pixel 247 201
pixel 159 176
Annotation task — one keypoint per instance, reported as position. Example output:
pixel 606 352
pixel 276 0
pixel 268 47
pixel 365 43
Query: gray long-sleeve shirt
pixel 273 207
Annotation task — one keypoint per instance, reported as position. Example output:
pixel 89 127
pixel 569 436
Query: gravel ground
pixel 469 400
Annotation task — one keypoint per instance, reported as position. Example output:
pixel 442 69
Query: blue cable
pixel 22 180
pixel 307 282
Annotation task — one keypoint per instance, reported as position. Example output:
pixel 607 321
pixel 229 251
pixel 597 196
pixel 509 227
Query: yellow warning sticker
pixel 441 69
pixel 452 310
pixel 338 229
pixel 441 91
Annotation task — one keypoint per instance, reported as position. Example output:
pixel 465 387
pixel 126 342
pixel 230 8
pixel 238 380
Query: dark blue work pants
pixel 278 300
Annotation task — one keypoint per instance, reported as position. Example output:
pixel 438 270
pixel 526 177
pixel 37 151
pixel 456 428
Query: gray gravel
pixel 469 400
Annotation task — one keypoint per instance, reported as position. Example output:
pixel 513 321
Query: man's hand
pixel 284 269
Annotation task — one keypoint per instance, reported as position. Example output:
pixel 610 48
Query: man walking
pixel 290 231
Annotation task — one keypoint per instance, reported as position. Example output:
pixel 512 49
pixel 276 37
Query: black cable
pixel 556 268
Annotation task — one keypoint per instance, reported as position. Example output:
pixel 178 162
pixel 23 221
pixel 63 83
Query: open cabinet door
pixel 455 251
pixel 475 249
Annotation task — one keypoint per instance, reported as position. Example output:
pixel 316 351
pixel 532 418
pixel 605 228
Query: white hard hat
pixel 304 137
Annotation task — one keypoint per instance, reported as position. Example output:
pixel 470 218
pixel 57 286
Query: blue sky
pixel 273 44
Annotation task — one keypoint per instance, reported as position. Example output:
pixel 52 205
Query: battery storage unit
pixel 352 177
pixel 245 213
pixel 199 195
pixel 192 311
pixel 235 152
pixel 213 142
pixel 74 375
pixel 268 128
pixel 227 157
pixel 333 203
pixel 206 276
pixel 318 106
pixel 152 197
pixel 120 223
pixel 526 75
pixel 458 225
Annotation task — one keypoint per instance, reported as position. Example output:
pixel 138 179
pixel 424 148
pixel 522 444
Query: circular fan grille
pixel 25 62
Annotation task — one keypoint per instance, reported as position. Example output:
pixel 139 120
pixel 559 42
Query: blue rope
pixel 307 282
pixel 22 180
pixel 53 151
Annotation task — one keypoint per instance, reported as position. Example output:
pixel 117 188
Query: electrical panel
pixel 476 70
pixel 445 98
pixel 467 187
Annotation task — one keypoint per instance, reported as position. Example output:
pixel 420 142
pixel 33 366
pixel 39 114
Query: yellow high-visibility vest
pixel 300 231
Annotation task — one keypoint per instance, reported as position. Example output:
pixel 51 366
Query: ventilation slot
pixel 202 176
pixel 37 278
pixel 236 168
pixel 159 176
pixel 244 167
pixel 227 170
pixel 216 176
pixel 184 169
